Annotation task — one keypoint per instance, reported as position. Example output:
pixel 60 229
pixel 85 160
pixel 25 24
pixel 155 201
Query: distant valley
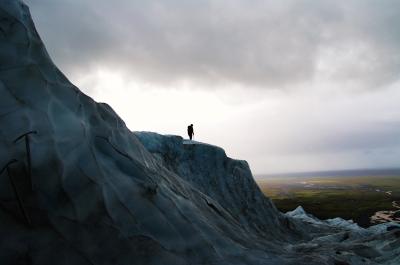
pixel 366 196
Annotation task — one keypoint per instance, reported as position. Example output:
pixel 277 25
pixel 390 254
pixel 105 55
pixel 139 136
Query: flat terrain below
pixel 366 200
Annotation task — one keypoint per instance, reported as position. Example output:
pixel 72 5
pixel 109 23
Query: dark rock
pixel 339 262
pixel 392 227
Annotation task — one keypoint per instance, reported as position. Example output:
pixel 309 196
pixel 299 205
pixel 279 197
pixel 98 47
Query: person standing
pixel 190 131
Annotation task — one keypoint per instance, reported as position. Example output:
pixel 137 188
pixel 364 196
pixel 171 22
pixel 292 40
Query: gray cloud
pixel 269 44
pixel 323 52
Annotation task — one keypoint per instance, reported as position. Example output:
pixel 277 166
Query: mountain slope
pixel 96 191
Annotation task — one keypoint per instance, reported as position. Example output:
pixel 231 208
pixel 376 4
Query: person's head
pixel 191 125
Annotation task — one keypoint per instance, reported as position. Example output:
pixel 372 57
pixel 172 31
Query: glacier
pixel 86 190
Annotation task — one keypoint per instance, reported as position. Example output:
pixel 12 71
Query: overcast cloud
pixel 266 44
pixel 315 82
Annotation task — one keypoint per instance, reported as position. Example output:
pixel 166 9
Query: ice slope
pixel 350 242
pixel 227 181
pixel 99 194
pixel 230 182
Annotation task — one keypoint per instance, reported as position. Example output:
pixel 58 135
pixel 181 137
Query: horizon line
pixel 325 171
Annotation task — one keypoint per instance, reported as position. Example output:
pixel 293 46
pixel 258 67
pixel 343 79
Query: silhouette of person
pixel 190 131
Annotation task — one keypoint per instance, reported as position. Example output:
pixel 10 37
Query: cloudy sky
pixel 288 85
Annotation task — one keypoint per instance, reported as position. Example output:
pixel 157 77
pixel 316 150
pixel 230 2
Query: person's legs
pixel 190 136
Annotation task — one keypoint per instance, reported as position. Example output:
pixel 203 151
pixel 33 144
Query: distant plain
pixel 354 194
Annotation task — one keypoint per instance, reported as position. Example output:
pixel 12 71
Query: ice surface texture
pixel 102 195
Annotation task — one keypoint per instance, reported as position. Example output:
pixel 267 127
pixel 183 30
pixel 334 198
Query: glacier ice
pixel 101 194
